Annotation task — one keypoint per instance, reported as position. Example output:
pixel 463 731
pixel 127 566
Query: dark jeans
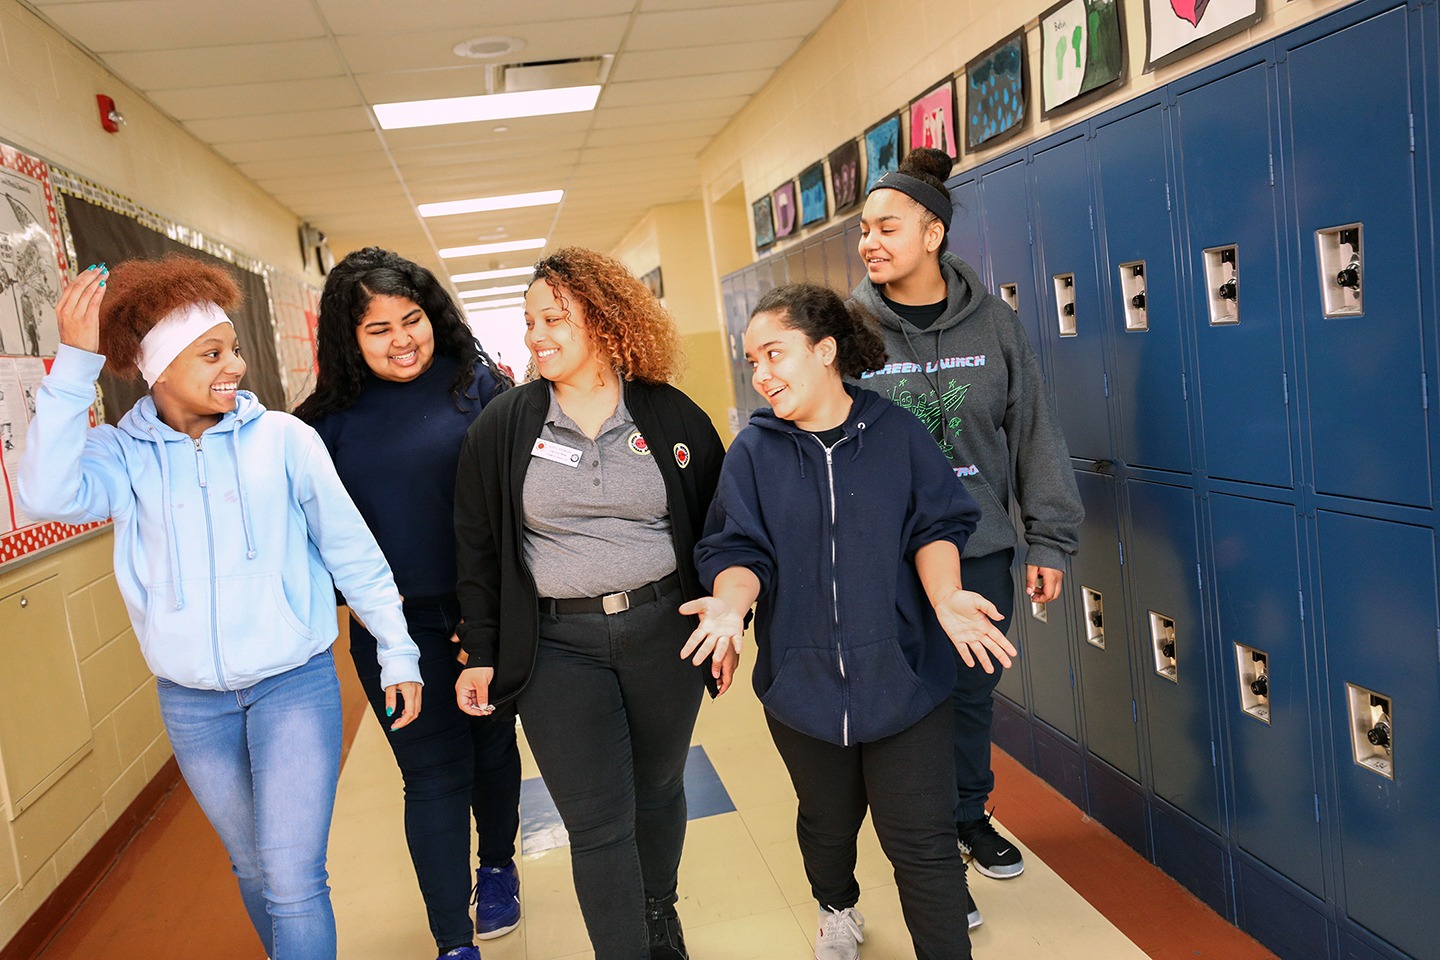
pixel 906 781
pixel 608 713
pixel 455 767
pixel 972 697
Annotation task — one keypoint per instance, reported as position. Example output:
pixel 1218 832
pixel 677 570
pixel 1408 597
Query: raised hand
pixel 79 309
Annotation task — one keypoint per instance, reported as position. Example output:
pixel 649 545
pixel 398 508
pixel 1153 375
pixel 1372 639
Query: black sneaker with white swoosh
pixel 993 855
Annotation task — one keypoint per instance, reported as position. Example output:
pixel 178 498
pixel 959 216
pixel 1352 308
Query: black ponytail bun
pixel 925 162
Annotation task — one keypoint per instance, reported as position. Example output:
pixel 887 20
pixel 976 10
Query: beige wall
pixel 101 698
pixel 871 56
pixel 674 237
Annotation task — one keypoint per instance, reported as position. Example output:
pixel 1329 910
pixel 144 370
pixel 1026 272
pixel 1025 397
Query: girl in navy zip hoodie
pixel 837 512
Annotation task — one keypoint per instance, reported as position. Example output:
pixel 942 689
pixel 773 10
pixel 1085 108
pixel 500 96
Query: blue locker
pixel 794 260
pixel 1107 697
pixel 1164 562
pixel 965 237
pixel 852 243
pixel 838 254
pixel 1048 660
pixel 1228 199
pixel 1379 629
pixel 1364 372
pixel 1276 913
pixel 1148 374
pixel 1256 550
pixel 732 289
pixel 1064 232
pixel 1010 260
pixel 1013 680
pixel 814 258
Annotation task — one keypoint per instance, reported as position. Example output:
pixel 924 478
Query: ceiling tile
pixel 385 17
pixel 694 61
pixel 221 66
pixel 607 117
pixel 275 125
pixel 319 148
pixel 128 25
pixel 657 132
pixel 558 40
pixel 725 24
pixel 683 89
pixel 256 99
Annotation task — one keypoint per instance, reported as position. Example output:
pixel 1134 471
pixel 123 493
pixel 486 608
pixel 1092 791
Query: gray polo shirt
pixel 598 523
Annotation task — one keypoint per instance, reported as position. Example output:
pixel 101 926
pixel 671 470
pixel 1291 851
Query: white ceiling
pixel 282 89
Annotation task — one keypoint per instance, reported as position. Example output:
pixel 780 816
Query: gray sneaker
pixel 973 917
pixel 840 934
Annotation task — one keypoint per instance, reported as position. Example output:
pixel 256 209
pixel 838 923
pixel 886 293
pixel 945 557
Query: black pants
pixel 455 767
pixel 906 781
pixel 608 713
pixel 973 700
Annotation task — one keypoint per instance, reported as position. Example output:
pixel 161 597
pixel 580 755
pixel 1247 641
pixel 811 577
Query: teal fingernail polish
pixel 389 711
pixel 102 283
pixel 91 267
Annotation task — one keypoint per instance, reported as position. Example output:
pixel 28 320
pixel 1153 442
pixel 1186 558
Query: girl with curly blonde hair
pixel 232 532
pixel 578 502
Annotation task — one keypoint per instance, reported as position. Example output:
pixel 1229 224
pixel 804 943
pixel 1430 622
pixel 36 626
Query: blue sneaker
pixel 497 901
pixel 461 953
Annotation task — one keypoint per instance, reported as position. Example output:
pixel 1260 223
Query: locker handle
pixel 1227 290
pixel 1350 276
pixel 1260 686
pixel 1138 301
pixel 1167 649
pixel 1068 309
pixel 1379 734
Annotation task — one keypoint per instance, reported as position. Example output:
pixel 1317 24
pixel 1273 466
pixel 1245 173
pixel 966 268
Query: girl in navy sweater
pixel 840 515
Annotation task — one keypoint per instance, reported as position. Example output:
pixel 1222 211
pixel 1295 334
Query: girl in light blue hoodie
pixel 230 524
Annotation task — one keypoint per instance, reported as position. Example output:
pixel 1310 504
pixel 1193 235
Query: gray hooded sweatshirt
pixel 974 381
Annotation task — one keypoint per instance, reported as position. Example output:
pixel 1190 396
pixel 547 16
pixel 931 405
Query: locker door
pixel 1378 595
pixel 1105 687
pixel 1012 681
pixel 814 255
pixel 732 289
pixel 855 267
pixel 1256 551
pixel 1047 656
pixel 1164 559
pixel 1148 381
pixel 1010 260
pixel 1064 232
pixel 1224 131
pixel 1364 371
pixel 965 235
pixel 794 266
pixel 838 254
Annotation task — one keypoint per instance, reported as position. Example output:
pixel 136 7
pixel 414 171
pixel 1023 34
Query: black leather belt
pixel 611 602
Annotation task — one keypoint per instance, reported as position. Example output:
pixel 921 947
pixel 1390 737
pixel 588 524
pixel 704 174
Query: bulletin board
pixel 34 265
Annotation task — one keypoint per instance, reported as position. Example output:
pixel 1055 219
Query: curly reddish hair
pixel 139 293
pixel 623 319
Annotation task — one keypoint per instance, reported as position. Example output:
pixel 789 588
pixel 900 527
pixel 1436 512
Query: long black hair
pixel 352 284
pixel 818 312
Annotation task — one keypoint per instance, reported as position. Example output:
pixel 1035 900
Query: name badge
pixel 556 452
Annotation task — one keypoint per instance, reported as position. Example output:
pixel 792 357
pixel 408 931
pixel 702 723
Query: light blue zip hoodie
pixel 224 546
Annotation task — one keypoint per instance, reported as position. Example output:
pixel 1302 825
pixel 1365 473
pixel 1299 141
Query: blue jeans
pixel 973 695
pixel 263 762
pixel 455 767
pixel 608 713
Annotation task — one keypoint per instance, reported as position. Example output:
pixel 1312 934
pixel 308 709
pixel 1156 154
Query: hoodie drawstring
pixel 859 440
pixel 172 543
pixel 799 454
pixel 244 501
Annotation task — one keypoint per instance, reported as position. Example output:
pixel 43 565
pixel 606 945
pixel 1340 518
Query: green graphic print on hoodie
pixel 975 383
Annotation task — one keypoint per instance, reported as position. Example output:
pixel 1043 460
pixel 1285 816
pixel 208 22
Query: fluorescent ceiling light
pixel 494 106
pixel 493 291
pixel 507 246
pixel 483 204
pixel 492 274
pixel 473 308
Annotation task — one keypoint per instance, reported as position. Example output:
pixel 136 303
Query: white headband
pixel 176 331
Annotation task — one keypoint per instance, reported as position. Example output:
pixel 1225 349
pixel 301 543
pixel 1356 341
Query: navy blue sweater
pixel 396 450
pixel 850 650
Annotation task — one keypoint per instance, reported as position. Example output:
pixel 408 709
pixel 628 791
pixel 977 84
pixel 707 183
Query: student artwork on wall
pixel 764 216
pixel 1177 28
pixel 882 150
pixel 995 92
pixel 812 194
pixel 1081 52
pixel 932 119
pixel 787 217
pixel 845 175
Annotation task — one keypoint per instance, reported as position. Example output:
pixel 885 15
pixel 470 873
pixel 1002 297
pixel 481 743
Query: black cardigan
pixel 495 587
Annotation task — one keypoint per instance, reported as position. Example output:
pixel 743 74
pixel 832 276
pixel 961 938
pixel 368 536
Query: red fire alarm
pixel 110 117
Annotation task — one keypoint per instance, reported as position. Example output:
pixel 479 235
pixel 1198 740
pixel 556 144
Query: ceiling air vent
pixel 550 74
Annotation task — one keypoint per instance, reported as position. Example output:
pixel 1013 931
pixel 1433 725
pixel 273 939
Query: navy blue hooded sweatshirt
pixel 850 648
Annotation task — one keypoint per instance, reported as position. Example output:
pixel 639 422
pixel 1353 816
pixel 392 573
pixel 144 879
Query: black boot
pixel 667 942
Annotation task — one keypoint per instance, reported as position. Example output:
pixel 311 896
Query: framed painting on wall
pixel 932 119
pixel 882 150
pixel 1177 28
pixel 845 175
pixel 787 217
pixel 812 194
pixel 995 92
pixel 1082 52
pixel 764 216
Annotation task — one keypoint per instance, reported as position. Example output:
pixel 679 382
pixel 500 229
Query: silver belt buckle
pixel 613 603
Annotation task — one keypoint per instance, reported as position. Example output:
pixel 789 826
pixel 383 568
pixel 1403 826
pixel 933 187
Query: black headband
pixel 921 192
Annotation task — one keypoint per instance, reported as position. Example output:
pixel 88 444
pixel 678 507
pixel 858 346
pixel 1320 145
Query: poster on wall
pixel 812 194
pixel 932 119
pixel 845 175
pixel 1082 51
pixel 882 150
pixel 1177 28
pixel 297 316
pixel 33 266
pixel 764 216
pixel 995 92
pixel 787 216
